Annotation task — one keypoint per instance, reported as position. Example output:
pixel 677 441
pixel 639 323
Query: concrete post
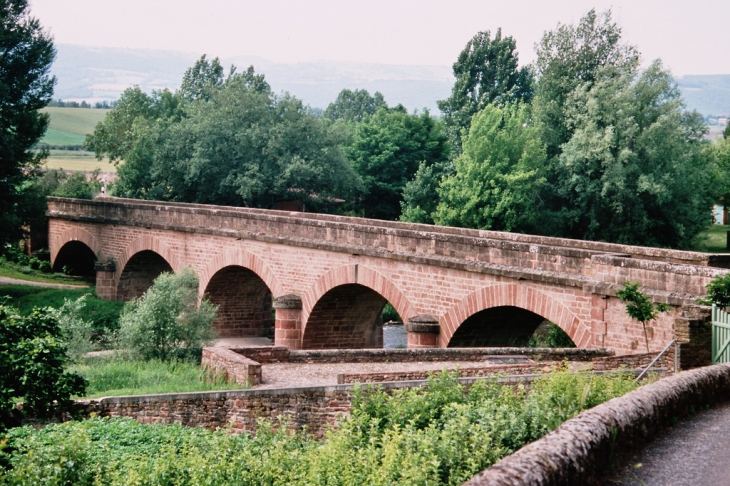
pixel 105 287
pixel 423 331
pixel 288 321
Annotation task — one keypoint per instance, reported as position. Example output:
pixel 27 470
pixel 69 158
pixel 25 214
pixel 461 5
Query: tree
pixel 498 174
pixel 639 307
pixel 26 54
pixel 486 72
pixel 718 292
pixel 726 132
pixel 201 80
pixel 386 152
pixel 636 168
pixel 33 355
pixel 354 106
pixel 167 322
pixel 420 194
pixel 571 56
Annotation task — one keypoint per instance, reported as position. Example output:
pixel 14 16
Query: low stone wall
pixel 583 449
pixel 281 354
pixel 636 361
pixel 313 407
pixel 235 366
pixel 470 372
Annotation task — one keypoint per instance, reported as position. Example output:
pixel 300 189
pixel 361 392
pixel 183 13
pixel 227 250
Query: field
pixel 78 121
pixel 80 160
pixel 714 239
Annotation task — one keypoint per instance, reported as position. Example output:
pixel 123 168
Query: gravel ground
pixel 693 452
pixel 286 375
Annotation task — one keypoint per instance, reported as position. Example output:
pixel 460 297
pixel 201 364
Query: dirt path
pixel 17 281
pixel 693 453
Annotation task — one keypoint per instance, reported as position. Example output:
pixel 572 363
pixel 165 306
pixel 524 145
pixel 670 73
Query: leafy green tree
pixel 497 176
pixel 201 80
pixel 26 54
pixel 167 322
pixel 33 355
pixel 726 132
pixel 718 292
pixel 420 194
pixel 636 169
pixel 571 56
pixel 486 73
pixel 136 112
pixel 354 106
pixel 386 153
pixel 639 307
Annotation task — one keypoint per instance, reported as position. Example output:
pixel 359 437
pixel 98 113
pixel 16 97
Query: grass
pixel 79 121
pixel 57 137
pixel 714 239
pixel 20 272
pixel 115 376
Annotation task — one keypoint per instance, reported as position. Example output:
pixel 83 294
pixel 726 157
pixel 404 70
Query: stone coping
pixel 582 450
pixel 418 230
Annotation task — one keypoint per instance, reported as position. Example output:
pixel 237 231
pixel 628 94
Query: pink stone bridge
pixel 329 277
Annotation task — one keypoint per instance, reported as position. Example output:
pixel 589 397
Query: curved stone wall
pixel 583 449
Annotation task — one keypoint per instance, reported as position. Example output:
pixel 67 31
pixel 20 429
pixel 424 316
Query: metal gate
pixel 720 335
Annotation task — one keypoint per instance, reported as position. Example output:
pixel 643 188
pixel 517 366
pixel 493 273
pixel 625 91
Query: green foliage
pixel 26 86
pixel 390 314
pixel 726 132
pixel 33 354
pixel 202 80
pixel 554 338
pixel 420 194
pixel 639 306
pixel 718 292
pixel 118 375
pixel 354 106
pixel 77 332
pixel 386 152
pixel 440 434
pixel 486 73
pixel 635 170
pixel 497 176
pixel 167 323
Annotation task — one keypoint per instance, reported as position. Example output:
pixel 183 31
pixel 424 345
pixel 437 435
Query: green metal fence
pixel 720 335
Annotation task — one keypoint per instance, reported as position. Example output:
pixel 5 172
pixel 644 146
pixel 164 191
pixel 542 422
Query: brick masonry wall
pixel 236 367
pixel 446 272
pixel 582 449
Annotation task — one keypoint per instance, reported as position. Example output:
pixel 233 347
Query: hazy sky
pixel 691 37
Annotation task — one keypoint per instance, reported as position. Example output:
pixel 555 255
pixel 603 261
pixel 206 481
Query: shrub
pixel 718 291
pixel 76 331
pixel 32 359
pixel 34 263
pixel 45 267
pixel 166 323
pixel 439 434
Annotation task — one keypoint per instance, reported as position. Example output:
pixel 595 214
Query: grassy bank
pixel 24 272
pixel 113 376
pixel 714 239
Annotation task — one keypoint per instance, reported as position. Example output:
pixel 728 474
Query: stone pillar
pixel 105 286
pixel 288 321
pixel 423 331
pixel 599 303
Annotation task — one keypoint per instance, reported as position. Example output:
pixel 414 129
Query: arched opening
pixel 244 303
pixel 500 326
pixel 139 273
pixel 75 258
pixel 348 316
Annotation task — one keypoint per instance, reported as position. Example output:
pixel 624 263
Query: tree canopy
pixel 26 54
pixel 386 153
pixel 486 72
pixel 497 176
pixel 354 106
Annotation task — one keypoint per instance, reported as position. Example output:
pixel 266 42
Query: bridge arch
pixel 525 302
pixel 241 285
pixel 141 262
pixel 75 248
pixel 343 308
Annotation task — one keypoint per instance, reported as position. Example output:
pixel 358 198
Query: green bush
pixel 33 354
pixel 718 291
pixel 166 323
pixel 45 267
pixel 34 263
pixel 440 434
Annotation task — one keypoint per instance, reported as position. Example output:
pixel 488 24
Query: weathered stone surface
pixel 245 256
pixel 581 450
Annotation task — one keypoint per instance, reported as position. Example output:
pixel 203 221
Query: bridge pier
pixel 106 287
pixel 288 321
pixel 423 332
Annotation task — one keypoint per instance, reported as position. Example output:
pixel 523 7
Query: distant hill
pixel 102 73
pixel 97 74
pixel 69 126
pixel 708 94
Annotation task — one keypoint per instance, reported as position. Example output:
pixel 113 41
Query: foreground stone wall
pixel 583 449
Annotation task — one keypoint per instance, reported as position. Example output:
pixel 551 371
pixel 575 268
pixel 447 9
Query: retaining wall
pixel 582 450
